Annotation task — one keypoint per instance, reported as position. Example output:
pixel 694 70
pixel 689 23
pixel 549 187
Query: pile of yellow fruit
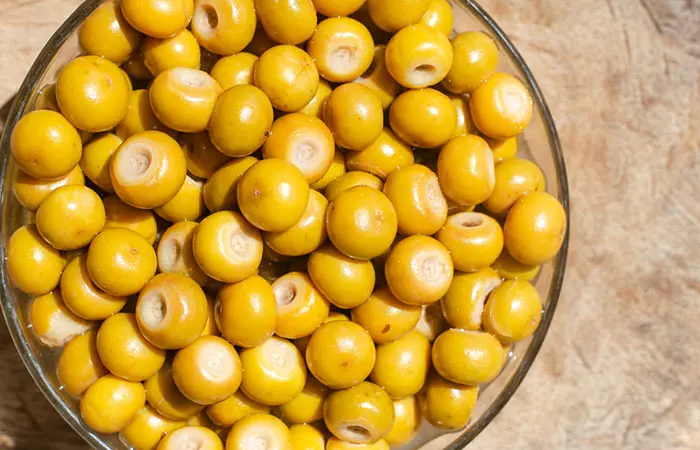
pixel 279 224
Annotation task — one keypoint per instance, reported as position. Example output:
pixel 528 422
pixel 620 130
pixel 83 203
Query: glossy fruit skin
pixel 385 318
pixel 33 266
pixel 447 405
pixel 475 60
pixel 354 114
pixel 135 67
pixel 30 191
pixel 423 118
pixel 301 308
pixel 235 408
pixel 211 328
pixel 204 377
pixel 163 395
pixel 432 323
pixel 125 352
pixel 45 145
pixel 307 437
pixel 402 366
pixel 255 427
pixel 203 438
pixel 419 270
pixel 202 420
pixel 46 99
pixel 509 268
pixel 439 17
pixel 110 403
pixel 337 8
pixel 306 407
pixel 232 263
pixel 503 149
pixel 183 98
pixel 70 217
pixel 515 178
pixel 121 215
pixel 53 323
pixel 337 444
pixel 147 428
pixel 340 354
pixel 171 311
pixel 535 228
pixel 121 261
pixel 287 21
pixel 274 372
pixel 513 311
pixel 220 191
pixel 180 50
pixel 379 80
pixel 453 208
pixel 393 15
pixel 107 34
pixel 203 159
pixel 140 117
pixel 234 29
pixel 241 121
pixel 466 170
pixel 234 70
pixel 498 119
pixel 93 93
pixel 176 255
pixel 159 19
pixel 350 180
pixel 79 365
pixel 303 343
pixel 344 281
pixel 188 203
pixel 96 158
pixel 148 169
pixel 362 15
pixel 246 312
pixel 81 295
pixel 306 235
pixel 303 141
pixel 468 357
pixel 273 195
pixel 288 76
pixel 365 406
pixel 361 222
pixel 464 118
pixel 415 192
pixel 474 240
pixel 418 56
pixel 407 420
pixel 342 48
pixel 315 106
pixel 464 303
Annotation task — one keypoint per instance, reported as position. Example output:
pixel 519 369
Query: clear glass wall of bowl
pixel 539 143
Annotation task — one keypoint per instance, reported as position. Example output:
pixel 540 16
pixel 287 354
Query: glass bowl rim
pixel 14 324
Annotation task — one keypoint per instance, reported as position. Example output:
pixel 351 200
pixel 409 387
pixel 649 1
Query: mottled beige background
pixel 621 365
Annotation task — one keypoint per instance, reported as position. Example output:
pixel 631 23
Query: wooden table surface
pixel 620 366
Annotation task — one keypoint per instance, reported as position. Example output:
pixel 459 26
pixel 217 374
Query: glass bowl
pixel 539 143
